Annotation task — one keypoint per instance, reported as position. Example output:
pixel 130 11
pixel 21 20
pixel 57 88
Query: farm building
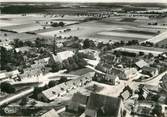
pixel 78 103
pixel 104 106
pixel 138 49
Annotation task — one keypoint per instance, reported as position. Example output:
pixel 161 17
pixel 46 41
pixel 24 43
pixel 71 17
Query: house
pixel 143 92
pixel 89 53
pixel 43 61
pixel 162 99
pixel 60 56
pixel 50 113
pixel 143 109
pixel 164 82
pixel 104 106
pixel 141 63
pixel 151 71
pixel 2 75
pixel 63 88
pixel 77 103
pixel 107 78
pixel 112 79
pixel 124 73
pixel 152 88
pixel 23 49
pixel 126 93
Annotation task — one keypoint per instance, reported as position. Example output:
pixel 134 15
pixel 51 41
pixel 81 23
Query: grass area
pixel 163 43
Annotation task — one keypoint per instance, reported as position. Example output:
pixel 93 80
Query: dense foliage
pixel 14 9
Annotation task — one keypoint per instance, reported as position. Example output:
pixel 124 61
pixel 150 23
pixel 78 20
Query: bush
pixel 7 87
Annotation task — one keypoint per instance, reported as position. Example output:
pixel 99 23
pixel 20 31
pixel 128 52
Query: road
pixel 16 96
pixel 154 81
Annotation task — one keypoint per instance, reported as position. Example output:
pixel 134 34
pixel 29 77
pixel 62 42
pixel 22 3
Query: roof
pixel 23 49
pixel 109 106
pixel 51 93
pixel 152 87
pixel 125 95
pixel 88 50
pixel 111 77
pixel 149 69
pixel 51 113
pixel 141 63
pixel 137 49
pixel 80 98
pixel 3 75
pixel 62 56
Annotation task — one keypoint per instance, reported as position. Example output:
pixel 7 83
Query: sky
pixel 139 1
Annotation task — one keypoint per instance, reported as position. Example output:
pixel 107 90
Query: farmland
pixel 113 28
pixel 102 31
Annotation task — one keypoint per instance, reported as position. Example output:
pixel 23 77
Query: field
pixel 20 23
pixel 100 31
pixel 108 29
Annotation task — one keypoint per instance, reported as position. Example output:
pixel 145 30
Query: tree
pixel 57 66
pixel 24 101
pixel 7 87
pixel 141 53
pixel 52 83
pixel 38 42
pixel 150 55
pixel 4 56
pixel 88 43
pixel 157 110
pixel 61 24
pixel 28 43
pixel 18 43
pixel 36 91
pixel 63 79
pixel 55 24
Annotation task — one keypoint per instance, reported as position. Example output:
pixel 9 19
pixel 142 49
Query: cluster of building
pixel 64 88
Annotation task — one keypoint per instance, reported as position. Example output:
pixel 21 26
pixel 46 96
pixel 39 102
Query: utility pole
pixel 54 45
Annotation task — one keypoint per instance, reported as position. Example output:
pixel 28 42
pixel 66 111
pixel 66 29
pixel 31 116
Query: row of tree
pixel 10 59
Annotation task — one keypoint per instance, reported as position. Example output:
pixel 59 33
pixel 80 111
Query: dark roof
pixel 148 69
pixel 80 98
pixel 108 106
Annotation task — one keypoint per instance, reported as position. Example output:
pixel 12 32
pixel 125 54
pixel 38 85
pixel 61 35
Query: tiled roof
pixel 141 64
pixel 62 56
pixel 108 106
pixel 51 113
pixel 52 93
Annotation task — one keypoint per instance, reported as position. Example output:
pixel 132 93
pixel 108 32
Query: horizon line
pixel 41 1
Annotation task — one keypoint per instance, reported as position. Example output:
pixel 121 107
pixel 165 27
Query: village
pixel 77 62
